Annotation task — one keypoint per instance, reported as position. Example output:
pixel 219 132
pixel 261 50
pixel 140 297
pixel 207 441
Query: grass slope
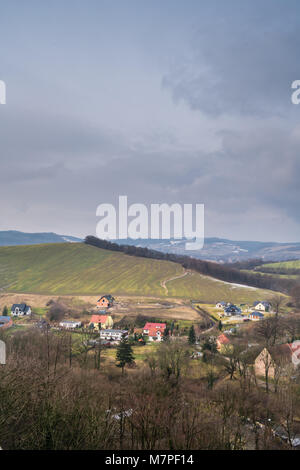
pixel 283 265
pixel 79 269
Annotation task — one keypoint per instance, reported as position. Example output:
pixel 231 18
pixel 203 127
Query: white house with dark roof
pixel 262 306
pixel 20 310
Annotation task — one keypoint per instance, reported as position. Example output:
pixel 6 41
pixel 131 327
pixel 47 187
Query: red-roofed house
pixel 154 331
pixel 105 321
pixel 105 301
pixel 222 341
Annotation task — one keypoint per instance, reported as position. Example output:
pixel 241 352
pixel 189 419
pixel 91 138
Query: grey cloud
pixel 240 64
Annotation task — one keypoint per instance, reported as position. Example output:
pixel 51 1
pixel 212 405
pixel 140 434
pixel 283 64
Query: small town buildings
pixel 221 305
pixel 262 306
pixel 231 310
pixel 105 301
pixel 70 325
pixel 20 310
pixel 154 331
pixel 113 335
pixel 5 322
pixel 222 342
pixel 99 322
pixel 271 359
pixel 256 316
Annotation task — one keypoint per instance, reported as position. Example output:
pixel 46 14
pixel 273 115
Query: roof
pixel 108 297
pixel 233 307
pixel 223 339
pixel 22 307
pixel 256 314
pixel 155 332
pixel 4 319
pixel 114 331
pixel 281 352
pixel 263 302
pixel 99 318
pixel 158 326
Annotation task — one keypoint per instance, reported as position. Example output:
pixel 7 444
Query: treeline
pixel 51 400
pixel 208 268
pixel 258 265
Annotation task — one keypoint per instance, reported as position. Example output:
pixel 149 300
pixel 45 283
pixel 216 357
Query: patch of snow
pixel 234 285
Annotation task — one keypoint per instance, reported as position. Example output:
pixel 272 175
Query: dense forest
pixel 208 268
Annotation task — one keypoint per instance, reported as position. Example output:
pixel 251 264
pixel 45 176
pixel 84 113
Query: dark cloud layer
pixel 211 121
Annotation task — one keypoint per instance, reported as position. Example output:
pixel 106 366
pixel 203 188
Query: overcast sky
pixel 162 101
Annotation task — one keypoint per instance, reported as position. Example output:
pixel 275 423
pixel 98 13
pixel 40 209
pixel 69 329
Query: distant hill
pixel 13 237
pixel 77 268
pixel 223 250
pixel 220 250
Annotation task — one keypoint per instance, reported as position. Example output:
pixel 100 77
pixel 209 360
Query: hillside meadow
pixel 286 265
pixel 79 269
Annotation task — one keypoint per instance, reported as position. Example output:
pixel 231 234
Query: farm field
pixel 295 264
pixel 82 270
pixel 272 274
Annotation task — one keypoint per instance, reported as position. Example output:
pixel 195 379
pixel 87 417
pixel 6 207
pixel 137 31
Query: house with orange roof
pixel 99 322
pixel 154 331
pixel 105 301
pixel 223 342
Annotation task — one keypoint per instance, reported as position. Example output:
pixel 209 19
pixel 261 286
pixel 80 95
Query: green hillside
pixel 85 270
pixel 295 264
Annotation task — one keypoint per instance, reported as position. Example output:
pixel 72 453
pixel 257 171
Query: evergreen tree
pixel 124 354
pixel 166 334
pixel 5 311
pixel 192 335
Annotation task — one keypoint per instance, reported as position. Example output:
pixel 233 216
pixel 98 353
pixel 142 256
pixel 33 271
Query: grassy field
pixel 275 274
pixel 78 269
pixel 283 265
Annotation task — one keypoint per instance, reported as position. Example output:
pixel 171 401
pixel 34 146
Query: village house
pixel 70 325
pixel 232 310
pixel 284 356
pixel 113 335
pixel 101 322
pixel 5 322
pixel 222 342
pixel 154 331
pixel 256 316
pixel 262 306
pixel 221 305
pixel 20 310
pixel 105 301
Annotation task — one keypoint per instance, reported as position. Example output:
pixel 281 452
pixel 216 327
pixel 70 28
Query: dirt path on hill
pixel 163 283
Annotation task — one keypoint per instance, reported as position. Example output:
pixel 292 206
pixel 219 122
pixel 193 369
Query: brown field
pixel 170 308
